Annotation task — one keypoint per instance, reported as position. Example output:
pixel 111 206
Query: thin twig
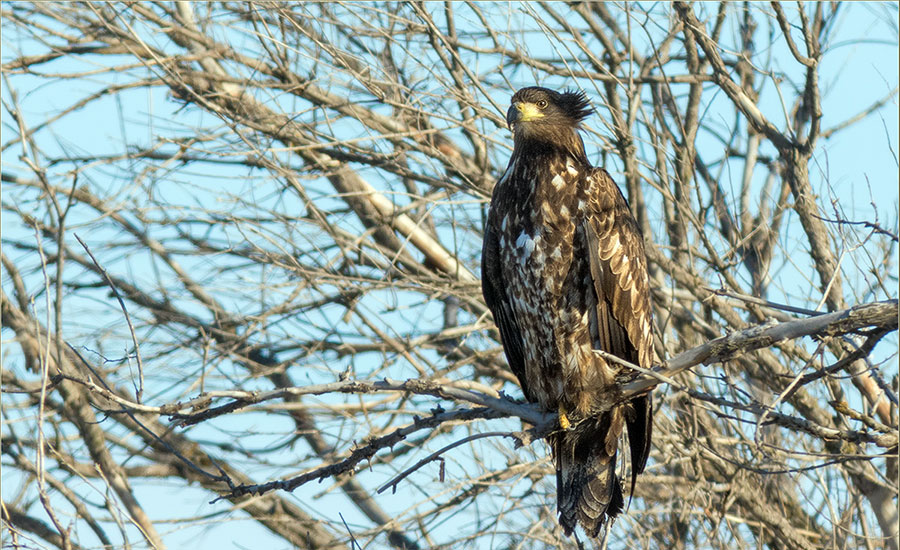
pixel 137 347
pixel 397 479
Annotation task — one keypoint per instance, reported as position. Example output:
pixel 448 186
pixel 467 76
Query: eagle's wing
pixel 495 296
pixel 619 273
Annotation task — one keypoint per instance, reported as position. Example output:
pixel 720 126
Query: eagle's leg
pixel 563 418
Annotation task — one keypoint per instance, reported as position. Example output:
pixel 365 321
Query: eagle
pixel 564 273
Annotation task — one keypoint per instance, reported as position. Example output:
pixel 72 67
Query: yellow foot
pixel 563 419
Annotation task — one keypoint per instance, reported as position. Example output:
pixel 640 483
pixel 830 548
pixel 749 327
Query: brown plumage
pixel 564 272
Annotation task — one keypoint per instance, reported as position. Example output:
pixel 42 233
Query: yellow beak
pixel 523 112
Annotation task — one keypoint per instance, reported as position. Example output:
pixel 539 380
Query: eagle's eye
pixel 542 104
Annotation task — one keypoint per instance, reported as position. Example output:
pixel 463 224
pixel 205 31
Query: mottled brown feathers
pixel 564 272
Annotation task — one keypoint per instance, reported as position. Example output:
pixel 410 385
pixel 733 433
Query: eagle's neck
pixel 545 174
pixel 563 141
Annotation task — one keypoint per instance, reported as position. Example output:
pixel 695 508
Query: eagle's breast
pixel 549 283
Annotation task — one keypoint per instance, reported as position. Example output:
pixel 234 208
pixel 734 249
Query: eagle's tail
pixel 587 488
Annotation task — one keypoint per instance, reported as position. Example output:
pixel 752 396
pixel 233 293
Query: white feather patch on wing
pixel 527 243
pixel 523 236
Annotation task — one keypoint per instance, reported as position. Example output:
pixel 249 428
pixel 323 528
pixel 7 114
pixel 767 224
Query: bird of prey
pixel 564 273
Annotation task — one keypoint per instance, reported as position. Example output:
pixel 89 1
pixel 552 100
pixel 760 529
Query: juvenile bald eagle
pixel 564 273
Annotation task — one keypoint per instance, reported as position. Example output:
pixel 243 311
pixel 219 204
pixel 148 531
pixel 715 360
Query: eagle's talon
pixel 563 419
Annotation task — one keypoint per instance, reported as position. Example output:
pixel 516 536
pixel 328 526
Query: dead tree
pixel 239 247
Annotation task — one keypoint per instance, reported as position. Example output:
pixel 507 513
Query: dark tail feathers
pixel 588 490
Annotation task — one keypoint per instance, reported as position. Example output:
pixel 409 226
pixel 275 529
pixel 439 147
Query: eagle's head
pixel 548 120
pixel 535 107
